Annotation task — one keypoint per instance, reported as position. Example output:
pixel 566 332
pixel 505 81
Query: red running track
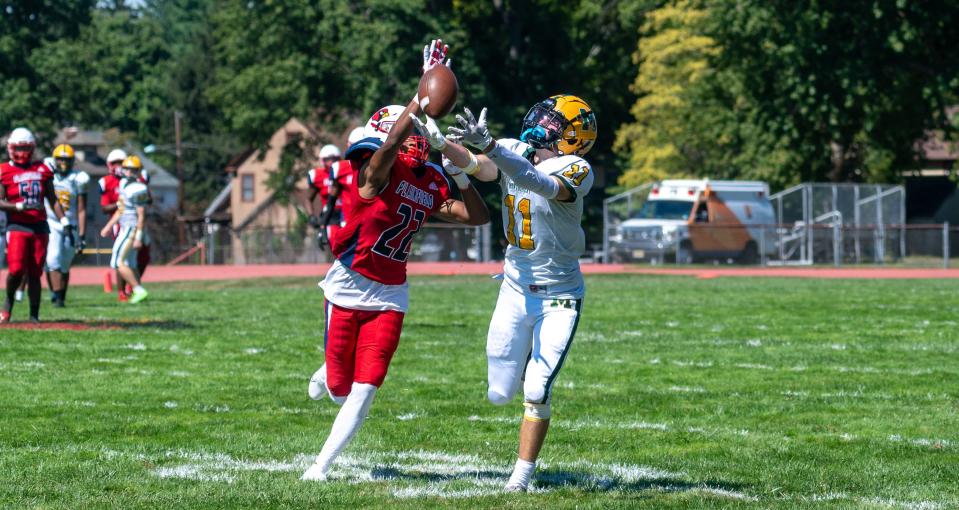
pixel 95 275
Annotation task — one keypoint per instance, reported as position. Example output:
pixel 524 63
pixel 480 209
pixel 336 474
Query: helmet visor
pixel 542 127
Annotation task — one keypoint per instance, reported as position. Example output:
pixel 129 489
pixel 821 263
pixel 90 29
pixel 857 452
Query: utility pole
pixel 179 175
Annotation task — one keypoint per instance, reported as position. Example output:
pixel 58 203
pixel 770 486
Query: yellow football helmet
pixel 64 156
pixel 64 151
pixel 563 123
pixel 132 166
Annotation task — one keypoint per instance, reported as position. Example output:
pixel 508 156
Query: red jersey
pixel 109 189
pixel 343 174
pixel 319 178
pixel 377 240
pixel 28 185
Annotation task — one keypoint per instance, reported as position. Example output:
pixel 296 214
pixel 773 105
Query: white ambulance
pixel 692 220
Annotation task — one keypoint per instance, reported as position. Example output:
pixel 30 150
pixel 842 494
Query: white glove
pixel 430 131
pixel 456 173
pixel 434 54
pixel 474 132
pixel 50 163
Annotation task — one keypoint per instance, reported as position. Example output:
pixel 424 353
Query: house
pixel 265 226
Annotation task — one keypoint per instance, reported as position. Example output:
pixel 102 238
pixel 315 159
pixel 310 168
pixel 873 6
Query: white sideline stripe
pixel 137 347
pixel 484 478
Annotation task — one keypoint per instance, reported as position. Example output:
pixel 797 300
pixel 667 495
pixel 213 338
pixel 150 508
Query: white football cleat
pixel 317 388
pixel 514 487
pixel 314 474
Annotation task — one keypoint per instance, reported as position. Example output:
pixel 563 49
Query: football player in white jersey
pixel 70 188
pixel 131 215
pixel 544 179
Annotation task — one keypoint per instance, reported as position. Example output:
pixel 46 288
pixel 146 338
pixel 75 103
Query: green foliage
pixel 792 91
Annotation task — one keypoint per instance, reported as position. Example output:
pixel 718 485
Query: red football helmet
pixel 415 151
pixel 20 146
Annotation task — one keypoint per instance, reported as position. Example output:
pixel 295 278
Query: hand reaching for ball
pixel 434 54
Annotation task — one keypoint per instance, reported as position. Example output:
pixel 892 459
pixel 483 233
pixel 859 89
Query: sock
pixel 346 424
pixel 522 472
pixel 138 289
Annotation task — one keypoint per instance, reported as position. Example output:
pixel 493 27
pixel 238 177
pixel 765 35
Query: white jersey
pixel 545 236
pixel 68 189
pixel 133 194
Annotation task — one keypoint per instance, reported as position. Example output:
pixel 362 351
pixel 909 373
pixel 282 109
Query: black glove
pixel 322 240
pixel 81 245
pixel 69 235
pixel 314 221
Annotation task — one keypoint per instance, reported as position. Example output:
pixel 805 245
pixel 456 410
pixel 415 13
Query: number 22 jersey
pixel 377 239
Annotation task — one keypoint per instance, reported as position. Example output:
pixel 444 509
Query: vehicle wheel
pixel 685 253
pixel 750 254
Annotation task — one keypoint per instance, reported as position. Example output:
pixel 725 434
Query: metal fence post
pixel 836 256
pixel 762 245
pixel 945 245
pixel 605 232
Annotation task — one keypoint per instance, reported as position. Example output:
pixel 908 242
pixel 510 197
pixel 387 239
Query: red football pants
pixel 359 346
pixel 26 253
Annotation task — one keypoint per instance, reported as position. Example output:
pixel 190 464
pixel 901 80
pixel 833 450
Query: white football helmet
pixel 20 146
pixel 382 121
pixel 330 151
pixel 355 136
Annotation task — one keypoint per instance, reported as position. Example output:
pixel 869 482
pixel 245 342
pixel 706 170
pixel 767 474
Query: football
pixel 437 92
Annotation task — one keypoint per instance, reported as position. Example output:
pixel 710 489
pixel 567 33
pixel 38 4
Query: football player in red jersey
pixel 320 180
pixel 24 185
pixel 366 288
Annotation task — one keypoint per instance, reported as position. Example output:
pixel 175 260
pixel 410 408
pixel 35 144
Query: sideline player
pixel 320 180
pixel 342 189
pixel 70 188
pixel 109 200
pixel 24 184
pixel 366 288
pixel 131 216
pixel 544 179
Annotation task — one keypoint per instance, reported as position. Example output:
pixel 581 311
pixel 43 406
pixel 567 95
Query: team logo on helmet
pixel 381 121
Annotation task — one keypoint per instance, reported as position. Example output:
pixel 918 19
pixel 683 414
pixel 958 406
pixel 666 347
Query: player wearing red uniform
pixel 24 185
pixel 320 180
pixel 366 288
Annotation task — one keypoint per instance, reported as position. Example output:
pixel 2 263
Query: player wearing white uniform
pixel 131 216
pixel 544 180
pixel 70 188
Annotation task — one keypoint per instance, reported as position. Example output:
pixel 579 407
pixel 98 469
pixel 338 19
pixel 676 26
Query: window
pixel 246 187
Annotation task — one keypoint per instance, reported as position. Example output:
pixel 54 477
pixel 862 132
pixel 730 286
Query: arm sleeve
pixel 575 174
pixel 523 173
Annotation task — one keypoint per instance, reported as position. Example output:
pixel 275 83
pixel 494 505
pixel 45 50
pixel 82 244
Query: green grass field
pixel 678 393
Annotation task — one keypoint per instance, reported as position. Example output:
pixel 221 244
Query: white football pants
pixel 60 252
pixel 532 335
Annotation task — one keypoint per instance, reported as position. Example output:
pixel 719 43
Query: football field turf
pixel 678 393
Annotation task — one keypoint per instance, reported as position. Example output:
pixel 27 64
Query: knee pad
pixel 536 412
pixel 497 398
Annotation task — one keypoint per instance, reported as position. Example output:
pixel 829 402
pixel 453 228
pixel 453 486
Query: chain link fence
pixel 814 224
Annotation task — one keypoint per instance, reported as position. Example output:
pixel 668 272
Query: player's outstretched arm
pixel 376 174
pixel 476 133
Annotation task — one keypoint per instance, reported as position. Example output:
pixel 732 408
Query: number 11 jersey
pixel 377 239
pixel 545 237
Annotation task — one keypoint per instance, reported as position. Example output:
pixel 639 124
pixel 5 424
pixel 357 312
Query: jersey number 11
pixel 526 231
